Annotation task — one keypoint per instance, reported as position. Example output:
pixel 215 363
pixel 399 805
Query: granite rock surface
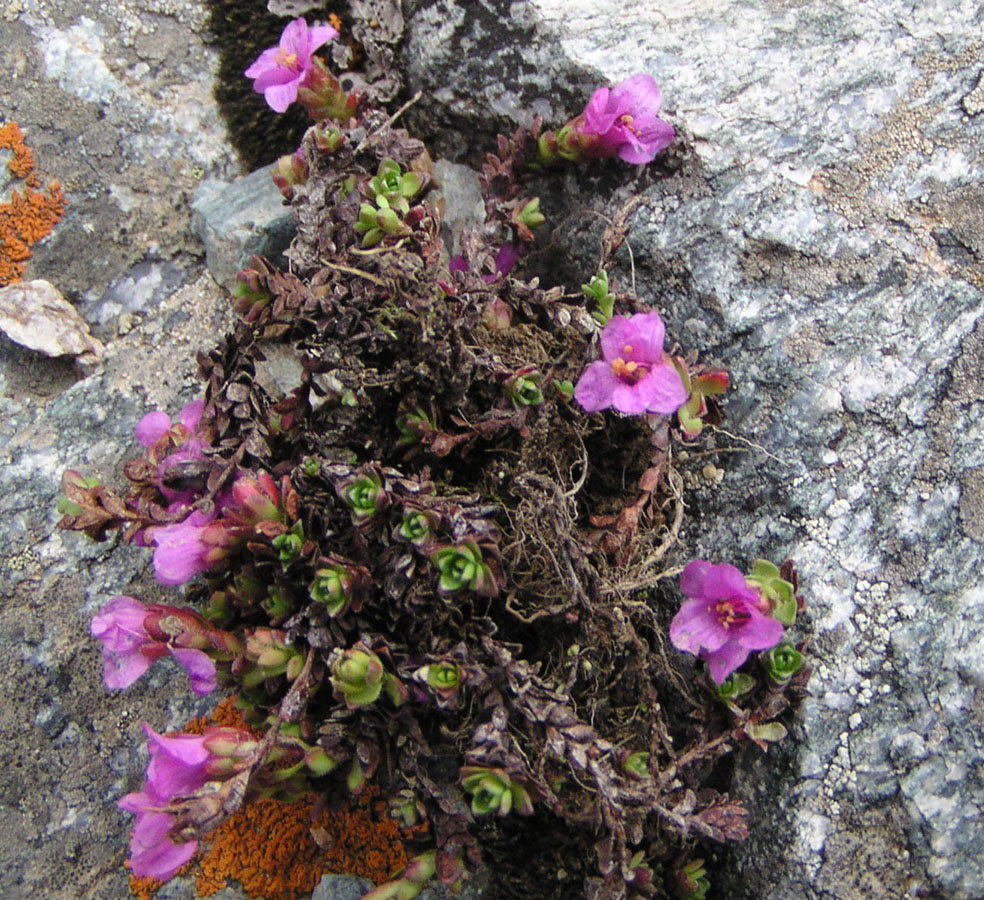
pixel 817 230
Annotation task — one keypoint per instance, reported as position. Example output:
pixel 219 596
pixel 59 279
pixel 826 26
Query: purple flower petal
pixel 662 390
pixel 180 553
pixel 152 427
pixel 615 336
pixel 177 763
pixel 153 853
pixel 696 626
pixel 294 38
pixel 596 386
pixel 761 632
pixel 127 649
pixel 191 415
pixel 722 603
pixel 280 96
pixel 319 35
pixel 266 60
pixel 722 662
pixel 647 336
pixel 200 668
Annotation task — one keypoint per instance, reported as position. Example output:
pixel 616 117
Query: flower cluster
pixel 412 559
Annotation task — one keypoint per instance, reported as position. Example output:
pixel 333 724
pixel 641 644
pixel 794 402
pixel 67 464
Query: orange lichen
pixel 269 846
pixel 29 215
pixel 279 850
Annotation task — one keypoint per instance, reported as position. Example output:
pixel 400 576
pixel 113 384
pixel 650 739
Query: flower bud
pixel 779 593
pixel 255 499
pixel 782 663
pixel 524 388
pixel 690 882
pixel 288 172
pixel 493 791
pixel 271 655
pixel 462 567
pixel 364 496
pixel 323 97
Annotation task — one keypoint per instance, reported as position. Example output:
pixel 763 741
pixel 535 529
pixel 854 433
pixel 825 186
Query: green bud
pixel 312 468
pixel 327 138
pixel 418 526
pixel 462 567
pixel 565 389
pixel 364 495
pixel 691 882
pixel 637 765
pixel 413 426
pixel 530 215
pixel 356 779
pixel 357 677
pixel 493 791
pixel 289 545
pixel 524 389
pixel 276 605
pixel 334 586
pixel 736 685
pixel 779 592
pixel 597 289
pixel 270 653
pixel 782 662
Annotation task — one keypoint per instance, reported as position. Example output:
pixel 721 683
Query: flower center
pixel 729 615
pixel 627 121
pixel 629 371
pixel 286 60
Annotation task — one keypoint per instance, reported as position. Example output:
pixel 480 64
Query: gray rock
pixel 815 235
pixel 341 887
pixel 115 100
pixel 240 219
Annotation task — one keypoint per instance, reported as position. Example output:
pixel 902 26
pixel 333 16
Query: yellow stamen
pixel 627 349
pixel 630 371
pixel 287 60
pixel 726 614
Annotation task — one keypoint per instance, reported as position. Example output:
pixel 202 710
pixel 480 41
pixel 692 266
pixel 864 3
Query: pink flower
pixel 181 552
pixel 724 620
pixel 153 852
pixel 178 763
pixel 153 426
pixel 132 638
pixel 635 374
pixel 625 121
pixel 280 71
pixel 128 650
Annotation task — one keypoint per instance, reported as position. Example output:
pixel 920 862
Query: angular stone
pixel 239 219
pixel 36 315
